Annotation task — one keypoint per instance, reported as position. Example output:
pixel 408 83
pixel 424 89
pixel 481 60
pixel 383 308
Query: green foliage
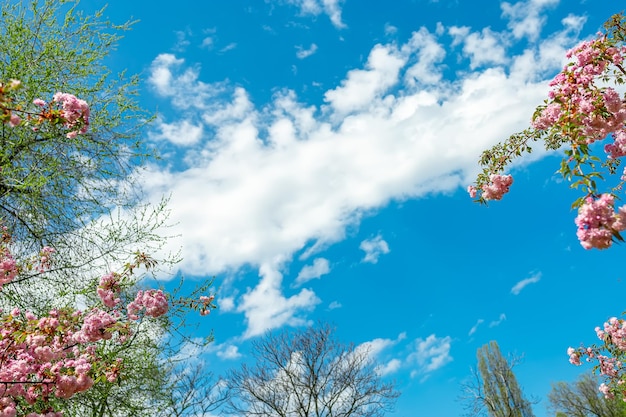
pixel 50 184
pixel 582 399
pixel 494 391
pixel 78 196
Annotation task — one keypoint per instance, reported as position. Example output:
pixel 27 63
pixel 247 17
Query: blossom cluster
pixel 581 109
pixel 206 304
pixel 75 113
pixel 613 335
pixel 497 187
pixel 65 109
pixel 577 107
pixel 56 355
pixel 598 222
pixel 154 302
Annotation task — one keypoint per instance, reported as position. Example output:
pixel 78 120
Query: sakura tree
pixel 584 117
pixel 48 358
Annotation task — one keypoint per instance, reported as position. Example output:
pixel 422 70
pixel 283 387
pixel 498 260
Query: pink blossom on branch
pixel 598 223
pixel 153 301
pixel 109 290
pixel 75 113
pixel 498 186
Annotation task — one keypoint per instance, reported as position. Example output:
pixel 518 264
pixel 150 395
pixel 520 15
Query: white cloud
pixel 501 319
pixel 518 287
pixel 266 308
pixel 374 349
pixel 390 367
pixel 319 267
pixel 228 352
pixel 428 53
pixel 525 19
pixel 207 42
pixel 264 183
pixel 475 327
pixel 483 48
pixel 304 53
pixel 226 304
pixel 334 305
pixel 431 354
pixel 332 8
pixel 182 87
pixel 362 86
pixel 373 248
pixel 181 40
pixel 228 47
pixel 390 29
pixel 183 132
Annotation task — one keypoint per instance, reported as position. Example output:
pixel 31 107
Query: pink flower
pixel 153 301
pixel 109 289
pixel 597 221
pixel 604 389
pixel 499 186
pixel 14 120
pixel 574 357
pixel 75 113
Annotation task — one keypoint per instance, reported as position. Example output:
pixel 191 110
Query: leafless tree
pixel 309 374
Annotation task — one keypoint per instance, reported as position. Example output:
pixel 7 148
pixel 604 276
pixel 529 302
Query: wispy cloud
pixel 302 53
pixel 517 288
pixel 475 327
pixel 332 8
pixel 228 47
pixel 499 321
pixel 373 249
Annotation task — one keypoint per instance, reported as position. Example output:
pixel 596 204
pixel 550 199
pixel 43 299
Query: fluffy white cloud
pixel 393 365
pixel 431 354
pixel 228 352
pixel 373 248
pixel 319 267
pixel 483 48
pixel 428 52
pixel 266 308
pixel 183 132
pixel 363 86
pixel 267 182
pixel 518 287
pixel 525 19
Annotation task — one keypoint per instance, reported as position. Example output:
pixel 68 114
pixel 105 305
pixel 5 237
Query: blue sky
pixel 316 154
